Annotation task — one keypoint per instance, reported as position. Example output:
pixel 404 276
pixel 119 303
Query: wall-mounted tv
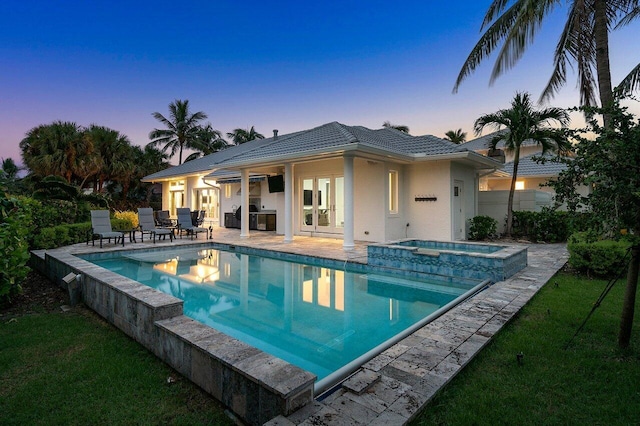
pixel 276 183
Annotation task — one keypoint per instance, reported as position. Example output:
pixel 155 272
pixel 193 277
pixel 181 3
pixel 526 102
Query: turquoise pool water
pixel 312 316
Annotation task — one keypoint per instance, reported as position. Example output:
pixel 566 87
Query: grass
pixel 586 381
pixel 73 368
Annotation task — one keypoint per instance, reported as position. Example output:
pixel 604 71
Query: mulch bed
pixel 38 295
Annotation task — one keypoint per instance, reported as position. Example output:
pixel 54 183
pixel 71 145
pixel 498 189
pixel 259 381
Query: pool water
pixel 311 316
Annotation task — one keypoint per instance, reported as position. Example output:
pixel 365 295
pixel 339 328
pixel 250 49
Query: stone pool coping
pixel 395 385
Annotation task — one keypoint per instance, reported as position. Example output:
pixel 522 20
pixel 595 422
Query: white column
pixel 288 203
pixel 347 243
pixel 244 203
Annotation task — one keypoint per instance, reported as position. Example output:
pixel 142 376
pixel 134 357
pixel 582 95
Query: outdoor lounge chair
pixel 185 224
pixel 163 220
pixel 101 227
pixel 148 226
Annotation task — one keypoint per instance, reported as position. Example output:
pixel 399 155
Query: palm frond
pixel 630 83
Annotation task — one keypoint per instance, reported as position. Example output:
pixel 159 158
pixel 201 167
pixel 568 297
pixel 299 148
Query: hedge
pixel 63 235
pixel 603 258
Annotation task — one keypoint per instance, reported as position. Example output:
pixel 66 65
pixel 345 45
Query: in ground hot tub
pixel 455 259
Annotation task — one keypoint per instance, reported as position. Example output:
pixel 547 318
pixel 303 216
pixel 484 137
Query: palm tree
pixel 182 128
pixel 522 122
pixel 400 127
pixel 209 141
pixel 113 148
pixel 60 149
pixel 9 169
pixel 583 42
pixel 240 136
pixel 456 136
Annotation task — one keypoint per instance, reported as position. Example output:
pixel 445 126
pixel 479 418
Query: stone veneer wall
pixel 255 385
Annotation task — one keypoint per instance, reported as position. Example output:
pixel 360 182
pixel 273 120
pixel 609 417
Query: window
pixel 393 191
pixel 519 185
pixel 227 190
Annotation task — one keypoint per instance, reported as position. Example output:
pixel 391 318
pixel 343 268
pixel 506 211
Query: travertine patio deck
pixel 395 385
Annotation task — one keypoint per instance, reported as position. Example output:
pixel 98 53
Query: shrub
pixel 130 216
pixel 14 252
pixel 600 257
pixel 482 227
pixel 62 235
pixel 548 225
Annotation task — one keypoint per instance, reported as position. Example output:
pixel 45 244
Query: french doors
pixel 322 204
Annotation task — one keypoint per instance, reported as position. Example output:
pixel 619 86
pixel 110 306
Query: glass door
pixel 322 204
pixel 208 200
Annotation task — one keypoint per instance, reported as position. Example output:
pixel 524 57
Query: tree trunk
pixel 628 305
pixel 512 189
pixel 601 37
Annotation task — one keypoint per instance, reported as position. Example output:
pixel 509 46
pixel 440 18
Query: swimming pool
pixel 318 318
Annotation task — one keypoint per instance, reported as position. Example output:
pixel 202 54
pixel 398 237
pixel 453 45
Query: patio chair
pixel 148 226
pixel 101 227
pixel 162 219
pixel 185 224
pixel 199 218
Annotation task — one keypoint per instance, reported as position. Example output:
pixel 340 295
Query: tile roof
pixel 483 142
pixel 529 167
pixel 327 138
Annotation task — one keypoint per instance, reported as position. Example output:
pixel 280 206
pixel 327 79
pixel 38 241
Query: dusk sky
pixel 270 64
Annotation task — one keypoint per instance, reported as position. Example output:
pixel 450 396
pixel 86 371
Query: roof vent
pixel 275 133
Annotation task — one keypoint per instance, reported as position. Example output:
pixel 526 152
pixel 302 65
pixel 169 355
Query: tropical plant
pixel 456 136
pixel 9 169
pixel 9 180
pixel 60 149
pixel 183 128
pixel 240 136
pixel 609 165
pixel 56 188
pixel 114 150
pixel 400 127
pixel 523 122
pixel 14 251
pixel 584 42
pixel 209 141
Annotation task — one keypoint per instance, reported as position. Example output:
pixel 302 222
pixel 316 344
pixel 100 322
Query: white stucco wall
pixel 370 200
pixel 428 219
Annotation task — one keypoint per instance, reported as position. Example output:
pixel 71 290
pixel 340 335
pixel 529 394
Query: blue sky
pixel 274 65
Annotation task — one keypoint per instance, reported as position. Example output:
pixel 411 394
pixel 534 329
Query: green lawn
pixel 73 368
pixel 590 381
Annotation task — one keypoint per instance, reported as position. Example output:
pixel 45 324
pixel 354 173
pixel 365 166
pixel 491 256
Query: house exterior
pixel 335 180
